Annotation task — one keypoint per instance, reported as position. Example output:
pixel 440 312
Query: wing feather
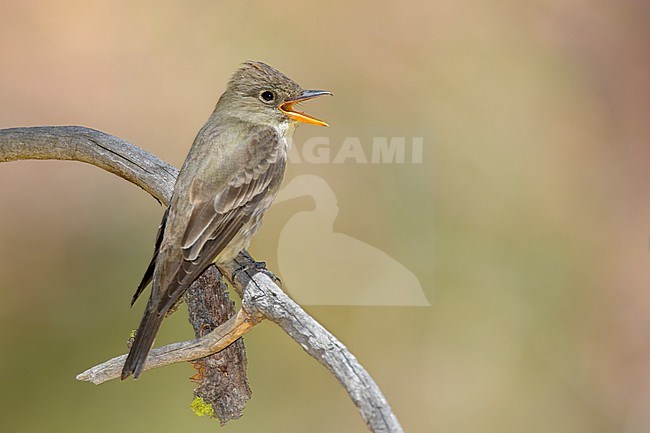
pixel 217 217
pixel 148 275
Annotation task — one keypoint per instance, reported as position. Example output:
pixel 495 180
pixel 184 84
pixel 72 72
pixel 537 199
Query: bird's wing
pixel 216 217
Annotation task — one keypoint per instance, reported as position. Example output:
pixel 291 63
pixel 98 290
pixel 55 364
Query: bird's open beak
pixel 288 107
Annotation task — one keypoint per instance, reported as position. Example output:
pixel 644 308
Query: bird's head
pixel 263 95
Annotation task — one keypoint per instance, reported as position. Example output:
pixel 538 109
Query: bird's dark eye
pixel 267 96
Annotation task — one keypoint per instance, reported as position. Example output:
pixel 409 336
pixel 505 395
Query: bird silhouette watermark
pixel 308 244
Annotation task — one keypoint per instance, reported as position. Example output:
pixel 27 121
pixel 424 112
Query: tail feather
pixel 144 337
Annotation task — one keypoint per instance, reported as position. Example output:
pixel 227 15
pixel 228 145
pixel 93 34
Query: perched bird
pixel 228 180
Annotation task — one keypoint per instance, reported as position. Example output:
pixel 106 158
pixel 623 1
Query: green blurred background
pixel 527 222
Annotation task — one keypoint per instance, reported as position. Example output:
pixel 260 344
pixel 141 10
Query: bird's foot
pixel 257 267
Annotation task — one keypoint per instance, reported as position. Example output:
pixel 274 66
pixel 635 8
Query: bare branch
pixel 185 351
pixel 77 143
pixel 261 297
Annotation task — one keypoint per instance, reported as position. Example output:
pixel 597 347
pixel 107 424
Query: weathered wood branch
pixel 220 338
pixel 261 297
pixel 77 143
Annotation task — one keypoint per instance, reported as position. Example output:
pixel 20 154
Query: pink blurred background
pixel 527 223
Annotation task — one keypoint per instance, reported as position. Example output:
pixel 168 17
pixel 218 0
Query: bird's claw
pixel 257 267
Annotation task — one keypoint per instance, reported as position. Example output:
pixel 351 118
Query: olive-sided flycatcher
pixel 229 179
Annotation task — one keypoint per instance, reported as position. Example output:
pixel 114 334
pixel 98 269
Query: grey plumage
pixel 229 179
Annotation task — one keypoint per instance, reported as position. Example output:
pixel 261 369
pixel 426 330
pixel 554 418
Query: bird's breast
pixel 285 133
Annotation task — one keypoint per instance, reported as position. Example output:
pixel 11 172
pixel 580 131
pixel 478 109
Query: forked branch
pixel 261 297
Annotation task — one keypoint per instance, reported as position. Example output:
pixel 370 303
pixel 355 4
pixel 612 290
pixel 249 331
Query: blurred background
pixel 527 222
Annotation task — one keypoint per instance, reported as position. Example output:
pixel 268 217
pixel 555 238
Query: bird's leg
pixel 174 307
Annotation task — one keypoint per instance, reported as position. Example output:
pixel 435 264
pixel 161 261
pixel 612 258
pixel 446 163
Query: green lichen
pixel 201 408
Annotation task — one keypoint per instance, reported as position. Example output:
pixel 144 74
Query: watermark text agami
pixel 375 150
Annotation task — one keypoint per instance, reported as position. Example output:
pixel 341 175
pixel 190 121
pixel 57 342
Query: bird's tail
pixel 144 337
